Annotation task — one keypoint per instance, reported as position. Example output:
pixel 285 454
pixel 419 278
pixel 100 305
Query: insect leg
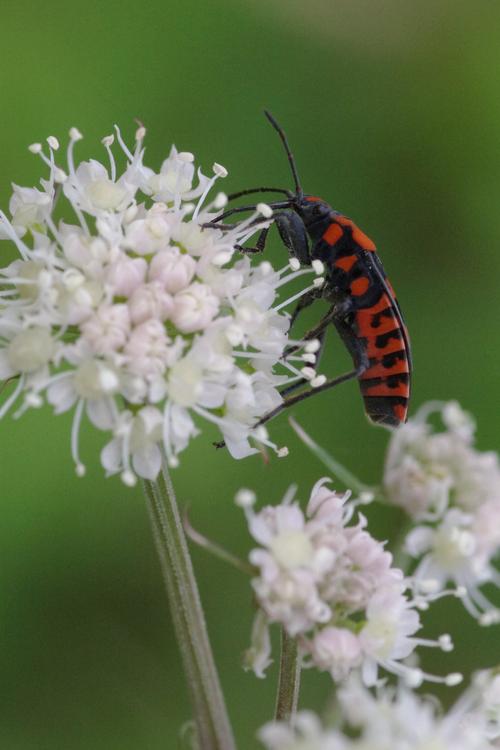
pixel 259 245
pixel 243 209
pixel 293 233
pixel 6 382
pixel 312 333
pixel 336 314
pixel 305 301
pixel 322 340
pixel 306 394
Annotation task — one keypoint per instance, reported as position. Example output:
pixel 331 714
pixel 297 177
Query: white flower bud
pixel 126 274
pixel 172 270
pixel 147 349
pixel 107 330
pixel 194 308
pixel 150 301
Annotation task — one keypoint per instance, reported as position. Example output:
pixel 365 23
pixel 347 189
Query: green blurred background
pixel 393 110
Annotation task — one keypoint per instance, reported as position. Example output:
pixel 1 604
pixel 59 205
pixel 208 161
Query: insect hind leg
pixel 337 314
pixel 312 392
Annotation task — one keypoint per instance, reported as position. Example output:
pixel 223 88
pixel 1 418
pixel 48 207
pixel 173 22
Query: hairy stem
pixel 289 679
pixel 210 714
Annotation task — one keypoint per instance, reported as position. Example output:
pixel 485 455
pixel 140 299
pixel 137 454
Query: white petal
pixel 100 413
pixel 212 395
pixel 239 447
pixel 147 462
pixel 62 395
pixel 111 456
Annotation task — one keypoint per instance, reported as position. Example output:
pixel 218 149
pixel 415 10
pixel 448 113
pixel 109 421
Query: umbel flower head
pixel 133 313
pixel 396 719
pixel 452 491
pixel 332 586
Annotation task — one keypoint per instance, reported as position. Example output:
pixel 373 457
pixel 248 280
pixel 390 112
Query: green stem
pixel 289 679
pixel 401 558
pixel 215 549
pixel 210 714
pixel 339 471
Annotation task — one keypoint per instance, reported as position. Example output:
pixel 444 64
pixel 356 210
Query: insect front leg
pixel 293 233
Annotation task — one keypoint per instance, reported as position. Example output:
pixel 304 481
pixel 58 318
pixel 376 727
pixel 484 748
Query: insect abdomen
pixel 385 384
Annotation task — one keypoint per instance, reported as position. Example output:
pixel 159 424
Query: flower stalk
pixel 210 714
pixel 289 679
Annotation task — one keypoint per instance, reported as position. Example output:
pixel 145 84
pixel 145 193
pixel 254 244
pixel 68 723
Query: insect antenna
pixel 249 191
pixel 284 141
pixel 242 209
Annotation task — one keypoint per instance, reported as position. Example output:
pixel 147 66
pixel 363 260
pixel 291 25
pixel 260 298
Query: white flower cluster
pixel 397 719
pixel 332 585
pixel 136 314
pixel 452 491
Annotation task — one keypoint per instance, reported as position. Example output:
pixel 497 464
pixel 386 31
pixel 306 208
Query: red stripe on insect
pixel 382 389
pixel 379 370
pixel 364 319
pixel 394 345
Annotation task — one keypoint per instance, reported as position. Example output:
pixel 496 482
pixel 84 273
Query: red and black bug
pixel 363 306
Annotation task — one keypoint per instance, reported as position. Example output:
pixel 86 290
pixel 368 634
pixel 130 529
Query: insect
pixel 363 306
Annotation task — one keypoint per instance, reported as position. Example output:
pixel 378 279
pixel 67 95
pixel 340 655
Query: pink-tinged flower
pixel 194 308
pixel 396 718
pixel 387 636
pixel 452 491
pixel 331 585
pixel 460 549
pixel 150 301
pixel 175 179
pixel 151 234
pixel 136 301
pixel 173 270
pixel 125 275
pixel 108 329
pixel 306 733
pixel 427 471
pixel 336 650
